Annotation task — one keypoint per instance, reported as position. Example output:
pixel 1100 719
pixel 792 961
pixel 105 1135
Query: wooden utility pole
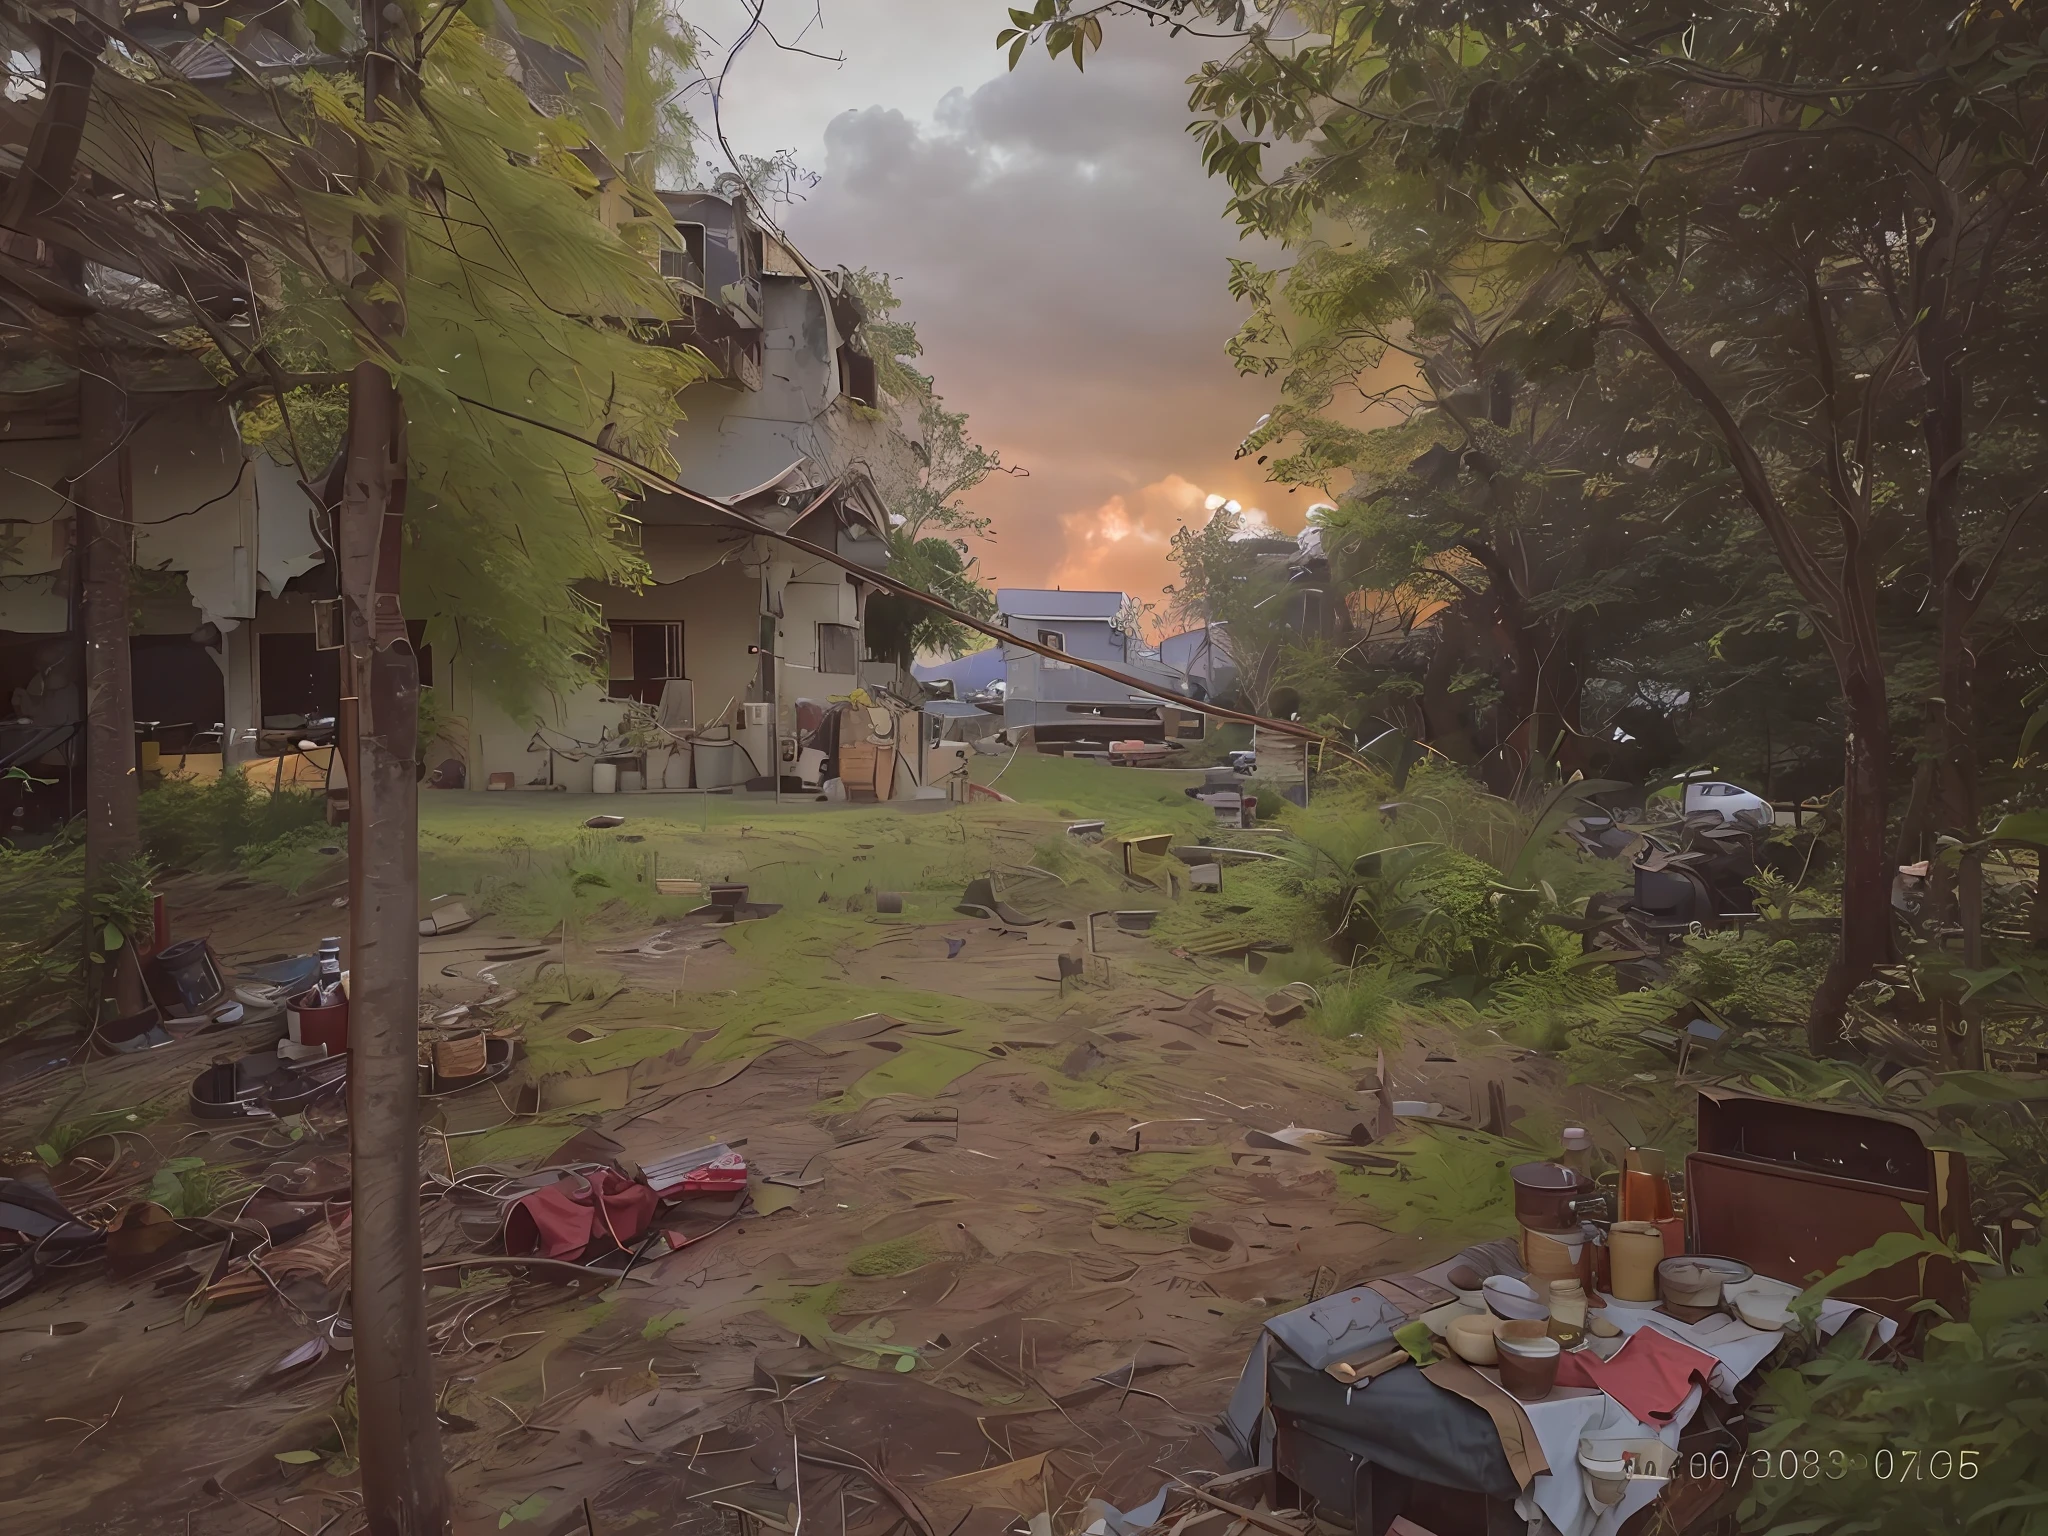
pixel 405 1491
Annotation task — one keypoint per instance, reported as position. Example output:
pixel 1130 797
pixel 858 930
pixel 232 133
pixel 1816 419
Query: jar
pixel 1635 1249
pixel 1567 1312
pixel 1528 1367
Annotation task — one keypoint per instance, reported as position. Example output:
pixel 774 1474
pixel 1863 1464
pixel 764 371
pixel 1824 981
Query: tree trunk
pixel 106 544
pixel 405 1490
pixel 1866 941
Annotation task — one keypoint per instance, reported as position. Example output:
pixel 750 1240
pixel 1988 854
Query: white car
pixel 1731 802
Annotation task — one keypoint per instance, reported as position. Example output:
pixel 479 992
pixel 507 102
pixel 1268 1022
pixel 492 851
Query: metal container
pixel 1547 1195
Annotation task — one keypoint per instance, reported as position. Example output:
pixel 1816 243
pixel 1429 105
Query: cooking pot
pixel 1551 1196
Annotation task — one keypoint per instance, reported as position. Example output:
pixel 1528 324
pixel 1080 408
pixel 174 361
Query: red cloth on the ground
pixel 563 1220
pixel 1649 1376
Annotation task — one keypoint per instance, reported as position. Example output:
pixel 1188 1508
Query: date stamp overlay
pixel 1887 1464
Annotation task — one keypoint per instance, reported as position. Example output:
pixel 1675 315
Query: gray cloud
pixel 1064 255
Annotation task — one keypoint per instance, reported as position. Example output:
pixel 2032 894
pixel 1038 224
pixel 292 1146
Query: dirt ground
pixel 992 1212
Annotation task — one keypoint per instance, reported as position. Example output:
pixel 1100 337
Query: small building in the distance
pixel 1069 708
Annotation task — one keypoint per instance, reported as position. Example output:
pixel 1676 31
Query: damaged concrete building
pixel 733 632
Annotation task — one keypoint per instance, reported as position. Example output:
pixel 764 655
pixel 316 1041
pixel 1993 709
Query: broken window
pixel 857 376
pixel 1052 639
pixel 685 264
pixel 836 649
pixel 642 658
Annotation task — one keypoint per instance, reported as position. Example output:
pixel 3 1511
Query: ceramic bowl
pixel 1765 1312
pixel 1733 1272
pixel 1507 1297
pixel 1471 1339
pixel 1685 1282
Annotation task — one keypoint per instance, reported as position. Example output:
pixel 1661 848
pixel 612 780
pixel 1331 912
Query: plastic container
pixel 713 761
pixel 1634 1249
pixel 316 1025
pixel 1528 1367
pixel 631 781
pixel 675 773
pixel 604 778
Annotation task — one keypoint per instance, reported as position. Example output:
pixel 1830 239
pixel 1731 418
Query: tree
pixel 1814 225
pixel 428 238
pixel 1230 582
pixel 929 524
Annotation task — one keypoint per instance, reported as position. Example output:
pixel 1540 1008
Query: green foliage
pixel 1450 1183
pixel 527 288
pixel 228 821
pixel 188 1189
pixel 1229 581
pixel 1366 1003
pixel 1753 975
pixel 1971 1411
pixel 930 525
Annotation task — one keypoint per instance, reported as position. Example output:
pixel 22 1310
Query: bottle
pixel 1578 1151
pixel 327 989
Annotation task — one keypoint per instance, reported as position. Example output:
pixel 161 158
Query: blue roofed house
pixel 1070 709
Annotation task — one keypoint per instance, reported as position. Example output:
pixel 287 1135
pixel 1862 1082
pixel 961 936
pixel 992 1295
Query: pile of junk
pixel 1593 1369
pixel 269 1212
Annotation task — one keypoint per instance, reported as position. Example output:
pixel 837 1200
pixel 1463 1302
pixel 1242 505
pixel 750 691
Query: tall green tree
pixel 1818 222
pixel 476 270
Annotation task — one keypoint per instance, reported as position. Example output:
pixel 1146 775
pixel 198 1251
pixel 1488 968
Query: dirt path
pixel 993 1214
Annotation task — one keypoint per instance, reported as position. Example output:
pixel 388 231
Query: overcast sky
pixel 1057 243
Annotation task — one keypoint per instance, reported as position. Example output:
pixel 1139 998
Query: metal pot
pixel 1548 1195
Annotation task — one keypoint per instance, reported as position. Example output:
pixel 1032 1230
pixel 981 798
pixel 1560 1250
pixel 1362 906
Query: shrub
pixel 200 826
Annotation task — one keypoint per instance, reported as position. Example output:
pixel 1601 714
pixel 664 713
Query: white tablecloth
pixel 1571 1414
pixel 1561 1421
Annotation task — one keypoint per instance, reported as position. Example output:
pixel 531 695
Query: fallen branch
pixel 902 1500
pixel 1269 1523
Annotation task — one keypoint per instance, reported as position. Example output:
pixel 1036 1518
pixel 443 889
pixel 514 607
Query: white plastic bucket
pixel 604 778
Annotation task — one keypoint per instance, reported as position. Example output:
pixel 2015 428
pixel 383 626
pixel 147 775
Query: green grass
pixel 896 1256
pixel 1131 801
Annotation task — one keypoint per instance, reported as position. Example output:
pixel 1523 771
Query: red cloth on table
pixel 564 1219
pixel 1649 1376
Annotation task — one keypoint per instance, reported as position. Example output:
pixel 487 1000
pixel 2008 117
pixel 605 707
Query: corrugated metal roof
pixel 1045 603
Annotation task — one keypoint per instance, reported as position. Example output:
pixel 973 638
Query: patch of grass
pixel 896 1256
pixel 1145 1200
pixel 1272 901
pixel 1366 1003
pixel 1129 800
pixel 1452 1183
pixel 225 822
